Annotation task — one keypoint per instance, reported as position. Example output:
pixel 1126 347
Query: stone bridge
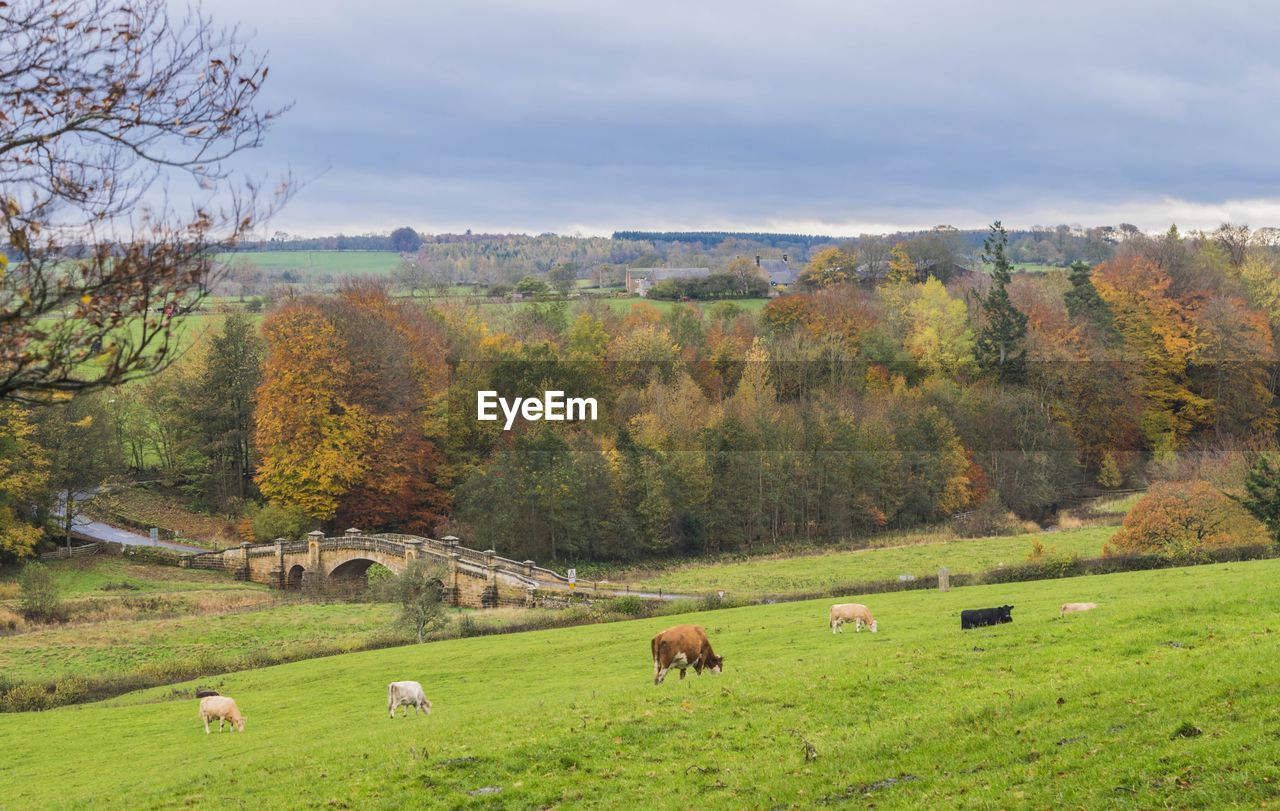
pixel 475 579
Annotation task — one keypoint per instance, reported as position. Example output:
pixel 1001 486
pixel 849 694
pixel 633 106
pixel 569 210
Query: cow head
pixel 716 664
pixel 874 626
pixel 1006 613
pixel 239 723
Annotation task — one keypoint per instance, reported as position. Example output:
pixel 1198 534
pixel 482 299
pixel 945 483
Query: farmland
pixel 779 575
pixel 337 263
pixel 1160 697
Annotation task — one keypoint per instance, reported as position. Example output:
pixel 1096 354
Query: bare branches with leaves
pixel 108 112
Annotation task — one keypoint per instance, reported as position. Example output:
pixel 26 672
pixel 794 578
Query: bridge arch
pixel 293 578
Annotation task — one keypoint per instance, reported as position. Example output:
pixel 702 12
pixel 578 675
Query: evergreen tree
pixel 222 410
pixel 1084 303
pixel 1262 495
pixel 1001 345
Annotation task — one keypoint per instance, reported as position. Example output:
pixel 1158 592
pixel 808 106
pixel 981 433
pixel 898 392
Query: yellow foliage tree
pixel 314 446
pixel 24 474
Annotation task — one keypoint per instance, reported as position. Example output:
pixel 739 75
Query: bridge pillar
pixel 352 533
pixel 279 575
pixel 528 568
pixel 455 587
pixel 314 573
pixel 412 551
pixel 243 572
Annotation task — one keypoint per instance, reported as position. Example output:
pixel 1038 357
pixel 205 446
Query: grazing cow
pixel 857 613
pixel 224 709
pixel 1071 608
pixel 683 646
pixel 978 617
pixel 408 694
pixel 202 693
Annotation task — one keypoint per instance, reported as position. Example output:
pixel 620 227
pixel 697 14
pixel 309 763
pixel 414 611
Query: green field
pixel 83 577
pixel 1083 713
pixel 338 263
pixel 809 573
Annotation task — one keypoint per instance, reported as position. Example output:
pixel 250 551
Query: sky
pixel 842 117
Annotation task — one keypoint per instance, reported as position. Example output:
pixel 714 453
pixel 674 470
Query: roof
pixel 779 271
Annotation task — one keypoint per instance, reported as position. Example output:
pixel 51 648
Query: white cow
pixel 857 613
pixel 409 693
pixel 1071 608
pixel 224 709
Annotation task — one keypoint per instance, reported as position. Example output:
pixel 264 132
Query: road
pixel 85 527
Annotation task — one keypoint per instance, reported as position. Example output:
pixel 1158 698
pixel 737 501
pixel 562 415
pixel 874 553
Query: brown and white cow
pixel 1071 608
pixel 683 646
pixel 857 613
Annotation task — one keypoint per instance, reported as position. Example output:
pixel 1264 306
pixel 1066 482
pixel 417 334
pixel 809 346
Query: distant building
pixel 639 280
pixel 780 271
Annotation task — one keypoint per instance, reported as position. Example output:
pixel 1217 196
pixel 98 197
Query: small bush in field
pixel 39 592
pixel 629 605
pixel 1184 518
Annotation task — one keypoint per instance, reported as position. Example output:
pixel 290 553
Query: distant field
pixel 1163 697
pixel 807 573
pixel 319 262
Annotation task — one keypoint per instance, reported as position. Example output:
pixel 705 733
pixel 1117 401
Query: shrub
pixel 39 592
pixel 987 519
pixel 25 698
pixel 11 621
pixel 1182 519
pixel 630 605
pixel 274 521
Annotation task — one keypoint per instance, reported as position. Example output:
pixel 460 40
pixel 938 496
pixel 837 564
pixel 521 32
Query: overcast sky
pixel 824 117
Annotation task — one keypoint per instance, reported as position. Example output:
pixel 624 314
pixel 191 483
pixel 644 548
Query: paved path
pixel 86 527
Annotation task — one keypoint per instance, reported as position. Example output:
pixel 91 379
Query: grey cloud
pixel 533 116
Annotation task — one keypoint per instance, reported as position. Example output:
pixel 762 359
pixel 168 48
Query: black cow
pixel 204 693
pixel 978 617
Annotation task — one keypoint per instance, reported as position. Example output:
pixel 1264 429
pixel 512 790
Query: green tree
pixel 1262 494
pixel 1083 301
pixel 78 439
pixel 563 277
pixel 419 591
pixel 222 409
pixel 532 286
pixel 1001 345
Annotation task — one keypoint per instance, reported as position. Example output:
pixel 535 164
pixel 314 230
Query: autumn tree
pixel 830 265
pixel 24 477
pixel 1000 347
pixel 1184 518
pixel 102 104
pixel 311 438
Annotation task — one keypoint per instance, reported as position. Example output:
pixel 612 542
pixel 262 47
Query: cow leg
pixel 660 676
pixel 682 672
pixel 219 724
pixel 206 724
pixel 857 626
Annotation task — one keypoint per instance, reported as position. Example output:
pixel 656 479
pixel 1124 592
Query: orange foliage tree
pixel 1182 518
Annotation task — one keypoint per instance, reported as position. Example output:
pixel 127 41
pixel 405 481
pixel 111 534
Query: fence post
pixel 944 579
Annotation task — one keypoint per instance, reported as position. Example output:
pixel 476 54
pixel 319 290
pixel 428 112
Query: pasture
pixel 778 575
pixel 318 263
pixel 1160 697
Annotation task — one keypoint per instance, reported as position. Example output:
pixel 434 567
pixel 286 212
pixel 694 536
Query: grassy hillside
pixel 809 573
pixel 1161 697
